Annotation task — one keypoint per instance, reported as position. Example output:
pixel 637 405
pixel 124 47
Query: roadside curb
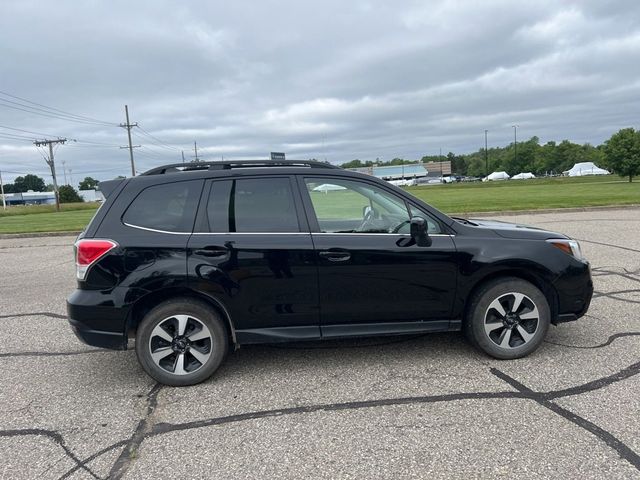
pixel 37 235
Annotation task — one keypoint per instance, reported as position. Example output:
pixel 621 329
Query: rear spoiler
pixel 109 186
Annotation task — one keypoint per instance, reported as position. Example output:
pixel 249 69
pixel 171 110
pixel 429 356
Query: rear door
pixel 252 251
pixel 373 278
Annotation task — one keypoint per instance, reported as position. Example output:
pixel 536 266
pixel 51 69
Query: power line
pixel 53 109
pixel 12 136
pixel 160 142
pixel 27 131
pixel 51 115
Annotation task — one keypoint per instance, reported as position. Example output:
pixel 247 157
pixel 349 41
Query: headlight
pixel 570 247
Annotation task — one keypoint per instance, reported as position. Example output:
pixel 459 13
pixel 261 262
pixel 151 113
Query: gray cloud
pixel 335 80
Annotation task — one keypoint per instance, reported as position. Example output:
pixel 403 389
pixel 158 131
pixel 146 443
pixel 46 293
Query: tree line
pixel 619 154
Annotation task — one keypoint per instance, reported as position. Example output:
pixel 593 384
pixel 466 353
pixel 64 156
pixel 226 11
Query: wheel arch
pixel 144 304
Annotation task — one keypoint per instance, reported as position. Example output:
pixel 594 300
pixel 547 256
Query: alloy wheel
pixel 180 344
pixel 511 320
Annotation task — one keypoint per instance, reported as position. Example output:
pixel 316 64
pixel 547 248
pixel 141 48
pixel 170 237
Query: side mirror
pixel 419 232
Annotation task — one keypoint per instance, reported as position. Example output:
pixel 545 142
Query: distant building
pixel 30 198
pixel 407 172
pixel 394 172
pixel 91 195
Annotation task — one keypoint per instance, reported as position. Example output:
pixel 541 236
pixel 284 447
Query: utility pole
pixel 64 171
pixel 486 155
pixel 129 126
pixel 515 144
pixel 52 165
pixel 195 148
pixel 4 202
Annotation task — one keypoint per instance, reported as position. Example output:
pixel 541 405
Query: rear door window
pixel 170 207
pixel 252 205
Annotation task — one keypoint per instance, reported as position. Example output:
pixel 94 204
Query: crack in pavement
pixel 614 295
pixel 53 354
pixel 624 451
pixel 608 342
pixel 147 429
pixel 34 314
pixel 609 245
pixel 123 462
pixel 56 437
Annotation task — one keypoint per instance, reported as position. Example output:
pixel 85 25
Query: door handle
pixel 212 251
pixel 333 256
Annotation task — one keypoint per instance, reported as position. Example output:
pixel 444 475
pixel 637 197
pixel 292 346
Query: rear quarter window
pixel 170 207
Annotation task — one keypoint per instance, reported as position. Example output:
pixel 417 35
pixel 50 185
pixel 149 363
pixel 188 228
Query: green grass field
pixel 559 192
pixel 44 218
pixel 458 198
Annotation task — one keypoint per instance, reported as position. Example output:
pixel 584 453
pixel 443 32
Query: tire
pixel 493 327
pixel 183 359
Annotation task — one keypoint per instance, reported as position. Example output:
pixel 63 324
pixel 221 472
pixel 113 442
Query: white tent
pixel 497 176
pixel 523 176
pixel 585 168
pixel 326 187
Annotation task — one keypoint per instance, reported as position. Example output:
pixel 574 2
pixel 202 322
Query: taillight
pixel 88 252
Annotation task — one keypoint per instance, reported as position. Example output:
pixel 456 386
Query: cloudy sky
pixel 326 79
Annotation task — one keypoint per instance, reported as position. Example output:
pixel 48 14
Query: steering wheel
pixel 366 219
pixel 397 228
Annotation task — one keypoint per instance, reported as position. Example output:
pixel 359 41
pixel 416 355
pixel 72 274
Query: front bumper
pixel 575 290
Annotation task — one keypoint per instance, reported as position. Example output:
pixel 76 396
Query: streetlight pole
pixel 486 155
pixel 515 144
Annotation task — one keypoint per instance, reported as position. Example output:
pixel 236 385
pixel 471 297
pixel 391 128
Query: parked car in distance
pixel 194 260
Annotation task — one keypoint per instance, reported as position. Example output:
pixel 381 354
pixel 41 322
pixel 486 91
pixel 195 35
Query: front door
pixel 372 277
pixel 253 253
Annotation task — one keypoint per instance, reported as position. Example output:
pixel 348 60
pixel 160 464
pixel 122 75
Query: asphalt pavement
pixel 417 407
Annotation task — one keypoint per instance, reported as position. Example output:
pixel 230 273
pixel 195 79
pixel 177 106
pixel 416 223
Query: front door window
pixel 347 206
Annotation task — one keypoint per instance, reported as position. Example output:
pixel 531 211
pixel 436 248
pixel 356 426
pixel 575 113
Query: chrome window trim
pixel 282 233
pixel 251 233
pixel 381 234
pixel 319 233
pixel 155 230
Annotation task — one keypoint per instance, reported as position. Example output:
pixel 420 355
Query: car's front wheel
pixel 181 342
pixel 508 318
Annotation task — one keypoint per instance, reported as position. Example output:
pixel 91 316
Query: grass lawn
pixel 458 198
pixel 64 221
pixel 559 192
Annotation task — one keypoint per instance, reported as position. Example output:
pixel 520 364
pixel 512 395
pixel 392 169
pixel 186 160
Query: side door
pixel 252 251
pixel 372 276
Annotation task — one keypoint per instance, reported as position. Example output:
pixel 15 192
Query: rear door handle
pixel 333 256
pixel 212 251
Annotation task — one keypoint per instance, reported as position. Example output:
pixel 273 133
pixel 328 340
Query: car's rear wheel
pixel 181 342
pixel 508 318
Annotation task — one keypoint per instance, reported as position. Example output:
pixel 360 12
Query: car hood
pixel 516 230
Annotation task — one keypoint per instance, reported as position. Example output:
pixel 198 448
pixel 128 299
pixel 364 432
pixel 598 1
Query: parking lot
pixel 417 407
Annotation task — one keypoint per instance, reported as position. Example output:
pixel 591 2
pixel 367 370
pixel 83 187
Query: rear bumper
pixel 98 338
pixel 96 320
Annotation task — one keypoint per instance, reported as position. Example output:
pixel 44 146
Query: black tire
pixel 492 326
pixel 201 357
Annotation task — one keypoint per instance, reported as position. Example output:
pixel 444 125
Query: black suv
pixel 196 259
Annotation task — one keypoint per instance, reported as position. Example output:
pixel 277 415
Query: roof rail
pixel 229 164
